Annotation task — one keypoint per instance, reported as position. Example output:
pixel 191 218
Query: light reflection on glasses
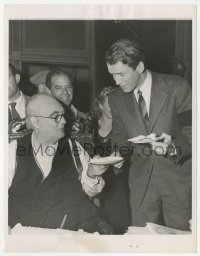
pixel 57 118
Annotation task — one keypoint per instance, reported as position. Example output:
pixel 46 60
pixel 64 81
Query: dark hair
pixel 57 72
pixel 100 100
pixel 127 51
pixel 12 69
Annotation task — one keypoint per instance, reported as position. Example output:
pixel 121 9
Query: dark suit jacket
pixel 170 112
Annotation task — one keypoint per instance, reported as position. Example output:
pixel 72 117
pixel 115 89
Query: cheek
pixel 46 127
pixel 55 93
pixel 12 86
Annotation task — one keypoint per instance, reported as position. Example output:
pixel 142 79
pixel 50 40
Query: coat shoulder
pixel 24 140
pixel 117 93
pixel 172 82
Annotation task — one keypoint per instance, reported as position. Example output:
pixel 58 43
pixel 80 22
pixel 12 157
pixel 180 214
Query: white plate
pixel 143 139
pixel 106 160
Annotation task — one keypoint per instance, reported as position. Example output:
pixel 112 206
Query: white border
pixel 101 243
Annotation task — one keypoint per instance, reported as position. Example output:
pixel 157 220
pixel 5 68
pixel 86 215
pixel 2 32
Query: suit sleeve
pixel 184 111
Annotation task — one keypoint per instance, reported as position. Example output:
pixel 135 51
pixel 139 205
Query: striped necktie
pixel 143 108
pixel 14 114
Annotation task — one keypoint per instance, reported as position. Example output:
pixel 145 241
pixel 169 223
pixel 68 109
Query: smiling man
pixel 52 176
pixel 147 102
pixel 60 86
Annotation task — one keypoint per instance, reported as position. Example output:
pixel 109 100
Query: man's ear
pixel 17 78
pixel 35 121
pixel 140 67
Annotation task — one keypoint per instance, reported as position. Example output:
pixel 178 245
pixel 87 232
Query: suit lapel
pixel 158 98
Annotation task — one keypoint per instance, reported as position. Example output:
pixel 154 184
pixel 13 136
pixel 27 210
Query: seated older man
pixel 53 180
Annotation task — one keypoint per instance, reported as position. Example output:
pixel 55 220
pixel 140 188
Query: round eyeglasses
pixel 57 118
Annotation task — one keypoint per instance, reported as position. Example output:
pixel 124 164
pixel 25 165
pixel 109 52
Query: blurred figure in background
pixel 114 199
pixel 39 80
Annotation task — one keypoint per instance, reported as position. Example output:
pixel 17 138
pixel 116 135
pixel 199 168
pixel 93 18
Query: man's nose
pixel 65 91
pixel 63 121
pixel 117 80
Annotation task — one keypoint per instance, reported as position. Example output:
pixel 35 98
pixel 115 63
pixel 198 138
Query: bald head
pixel 41 105
pixel 38 103
pixel 45 115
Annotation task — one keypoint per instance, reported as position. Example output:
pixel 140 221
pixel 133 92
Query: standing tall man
pixel 16 106
pixel 145 103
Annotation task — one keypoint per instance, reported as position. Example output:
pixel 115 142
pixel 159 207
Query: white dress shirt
pixel 20 108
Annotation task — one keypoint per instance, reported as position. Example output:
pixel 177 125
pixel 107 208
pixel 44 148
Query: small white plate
pixel 144 139
pixel 106 160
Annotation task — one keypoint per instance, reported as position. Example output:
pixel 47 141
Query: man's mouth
pixel 123 87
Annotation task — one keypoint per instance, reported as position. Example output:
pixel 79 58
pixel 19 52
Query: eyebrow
pixel 64 85
pixel 53 113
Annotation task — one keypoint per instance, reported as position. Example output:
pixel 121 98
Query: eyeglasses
pixel 57 118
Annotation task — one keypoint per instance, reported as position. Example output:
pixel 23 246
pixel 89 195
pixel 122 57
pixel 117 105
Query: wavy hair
pixel 127 51
pixel 97 112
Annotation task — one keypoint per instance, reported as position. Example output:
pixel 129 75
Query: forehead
pixel 61 79
pixel 48 107
pixel 119 67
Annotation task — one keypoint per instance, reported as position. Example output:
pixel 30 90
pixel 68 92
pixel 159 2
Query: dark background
pixel 80 46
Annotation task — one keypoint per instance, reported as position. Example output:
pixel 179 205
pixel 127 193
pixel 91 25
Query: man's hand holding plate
pixel 119 164
pixel 96 170
pixel 161 148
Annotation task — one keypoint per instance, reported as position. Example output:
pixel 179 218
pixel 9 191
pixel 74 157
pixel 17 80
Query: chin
pixel 61 134
pixel 126 90
pixel 66 102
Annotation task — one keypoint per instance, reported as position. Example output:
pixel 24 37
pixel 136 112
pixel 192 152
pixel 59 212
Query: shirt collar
pixel 147 82
pixel 18 100
pixel 146 90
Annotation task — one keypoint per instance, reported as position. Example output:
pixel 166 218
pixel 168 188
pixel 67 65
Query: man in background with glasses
pixel 52 180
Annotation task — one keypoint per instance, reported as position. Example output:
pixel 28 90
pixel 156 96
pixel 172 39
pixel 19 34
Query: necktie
pixel 9 116
pixel 143 108
pixel 14 114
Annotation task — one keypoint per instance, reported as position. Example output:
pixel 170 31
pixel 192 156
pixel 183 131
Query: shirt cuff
pixel 92 186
